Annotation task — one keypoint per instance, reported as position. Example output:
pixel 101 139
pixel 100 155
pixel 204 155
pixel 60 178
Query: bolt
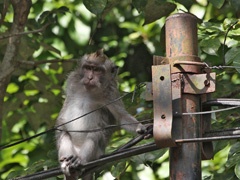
pixel 207 83
pixel 163 116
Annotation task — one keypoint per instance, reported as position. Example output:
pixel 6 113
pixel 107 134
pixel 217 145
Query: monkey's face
pixel 93 75
pixel 97 72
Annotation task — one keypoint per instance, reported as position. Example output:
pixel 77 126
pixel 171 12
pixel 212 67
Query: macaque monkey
pixel 92 85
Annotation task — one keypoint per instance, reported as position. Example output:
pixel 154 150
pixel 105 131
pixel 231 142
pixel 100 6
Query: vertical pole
pixel 181 44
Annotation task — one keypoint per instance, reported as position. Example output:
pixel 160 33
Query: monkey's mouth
pixel 89 85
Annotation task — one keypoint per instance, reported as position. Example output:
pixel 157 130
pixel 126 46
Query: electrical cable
pixel 123 152
pixel 222 102
pixel 7 145
pixel 233 102
pixel 205 112
pixel 128 152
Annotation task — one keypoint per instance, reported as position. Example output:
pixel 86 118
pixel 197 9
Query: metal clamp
pixel 162 99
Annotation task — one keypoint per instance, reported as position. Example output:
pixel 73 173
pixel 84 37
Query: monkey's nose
pixel 90 78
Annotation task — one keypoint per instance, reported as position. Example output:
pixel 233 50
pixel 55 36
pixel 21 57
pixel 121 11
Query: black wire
pixel 99 162
pixel 55 128
pixel 105 128
pixel 103 106
pixel 207 139
pixel 227 102
pixel 117 99
pixel 132 142
pixel 222 102
pixel 136 140
pixel 121 154
pixel 124 149
pixel 138 87
pixel 80 131
pixel 7 145
pixel 24 140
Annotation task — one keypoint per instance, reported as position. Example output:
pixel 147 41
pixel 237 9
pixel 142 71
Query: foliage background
pixel 130 32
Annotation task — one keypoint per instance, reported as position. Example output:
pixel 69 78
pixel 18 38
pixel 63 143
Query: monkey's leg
pixel 66 153
pixel 92 148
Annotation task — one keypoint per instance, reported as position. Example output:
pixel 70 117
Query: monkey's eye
pixel 98 69
pixel 89 68
pixel 95 69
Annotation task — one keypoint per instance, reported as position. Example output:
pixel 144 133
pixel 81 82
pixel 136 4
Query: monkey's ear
pixel 100 52
pixel 114 71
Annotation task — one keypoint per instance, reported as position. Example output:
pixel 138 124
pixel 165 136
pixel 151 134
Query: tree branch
pixel 24 33
pixel 36 63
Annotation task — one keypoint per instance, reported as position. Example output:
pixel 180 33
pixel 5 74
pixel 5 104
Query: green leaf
pixel 109 6
pixel 48 47
pixel 186 3
pixel 50 16
pixel 212 27
pixel 118 168
pixel 139 4
pixel 12 88
pixel 95 6
pixel 235 149
pixel 43 16
pixel 154 10
pixel 233 161
pixel 234 155
pixel 210 46
pixel 217 3
pixel 236 62
pixel 62 9
pixel 228 22
pixel 31 92
pixel 237 170
pixel 233 56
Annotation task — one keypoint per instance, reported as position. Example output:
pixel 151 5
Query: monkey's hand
pixel 146 130
pixel 69 164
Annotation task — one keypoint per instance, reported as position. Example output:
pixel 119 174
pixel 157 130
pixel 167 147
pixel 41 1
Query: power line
pixel 7 145
pixel 114 126
pixel 122 152
pixel 207 112
pixel 125 152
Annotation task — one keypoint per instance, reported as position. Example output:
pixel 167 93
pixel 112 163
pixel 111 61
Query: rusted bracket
pixel 166 92
pixel 162 100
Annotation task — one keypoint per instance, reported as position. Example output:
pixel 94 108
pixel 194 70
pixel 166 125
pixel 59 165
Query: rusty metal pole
pixel 181 45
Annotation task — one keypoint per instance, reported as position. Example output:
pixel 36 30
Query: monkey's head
pixel 97 71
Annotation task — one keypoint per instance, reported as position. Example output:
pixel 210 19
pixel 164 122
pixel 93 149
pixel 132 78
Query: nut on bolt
pixel 207 83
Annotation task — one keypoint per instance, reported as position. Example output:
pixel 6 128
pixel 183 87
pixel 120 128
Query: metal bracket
pixel 166 92
pixel 162 100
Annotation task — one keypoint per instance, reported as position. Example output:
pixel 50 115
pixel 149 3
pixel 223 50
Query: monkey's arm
pixel 127 121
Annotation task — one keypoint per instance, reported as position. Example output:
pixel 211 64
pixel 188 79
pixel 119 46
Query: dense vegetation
pixel 41 40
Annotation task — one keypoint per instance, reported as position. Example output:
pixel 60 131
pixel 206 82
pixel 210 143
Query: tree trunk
pixel 9 63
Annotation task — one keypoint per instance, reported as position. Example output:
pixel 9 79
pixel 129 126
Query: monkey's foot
pixel 69 164
pixel 146 130
pixel 149 132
